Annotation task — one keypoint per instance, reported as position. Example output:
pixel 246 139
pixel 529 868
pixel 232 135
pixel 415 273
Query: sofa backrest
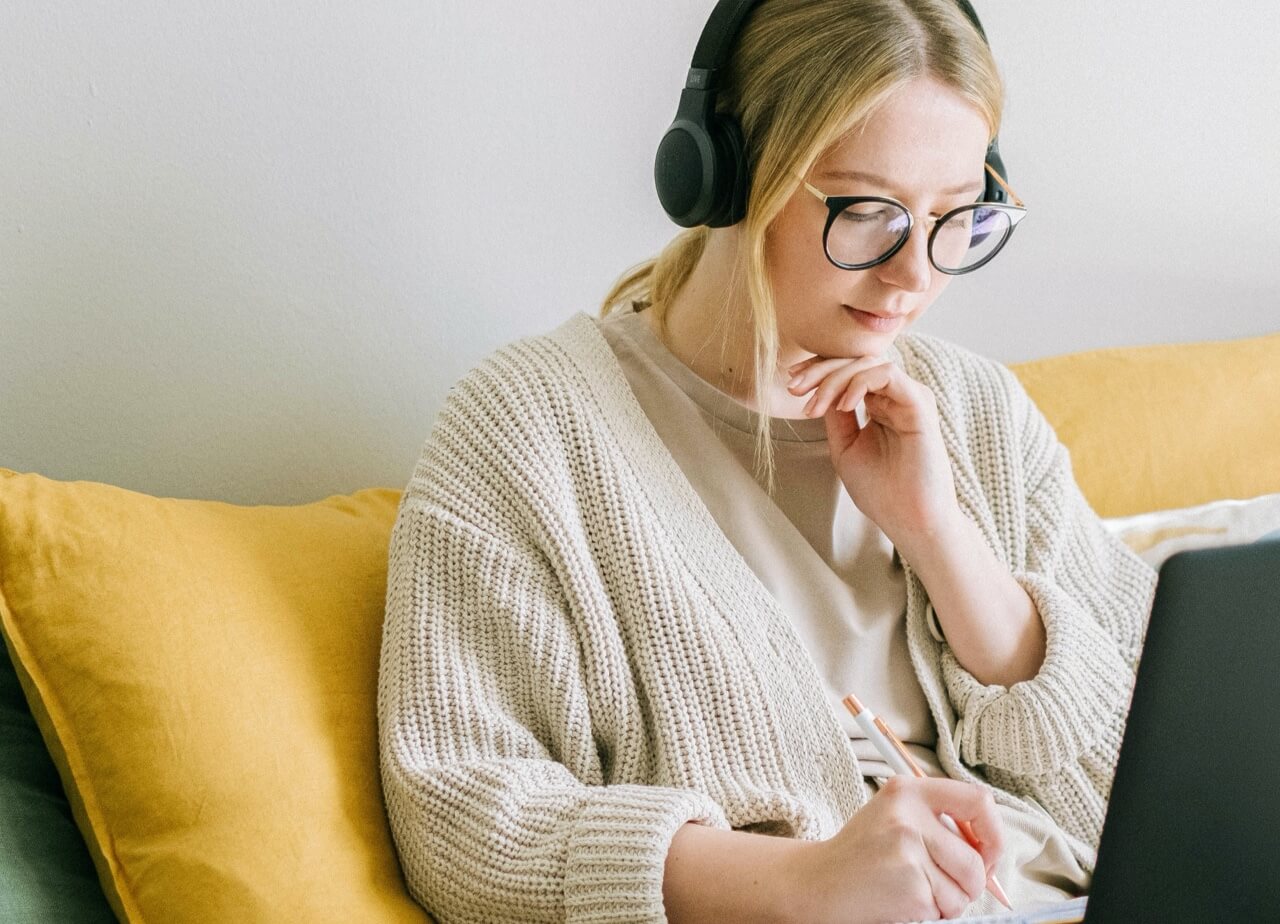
pixel 1159 427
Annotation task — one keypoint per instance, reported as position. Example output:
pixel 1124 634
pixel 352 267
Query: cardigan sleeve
pixel 492 780
pixel 1057 735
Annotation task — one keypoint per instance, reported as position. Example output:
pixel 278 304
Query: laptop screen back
pixel 1192 830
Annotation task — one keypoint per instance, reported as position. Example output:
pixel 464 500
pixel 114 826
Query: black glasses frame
pixel 837 204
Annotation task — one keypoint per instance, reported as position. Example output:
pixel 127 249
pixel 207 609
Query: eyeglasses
pixel 864 231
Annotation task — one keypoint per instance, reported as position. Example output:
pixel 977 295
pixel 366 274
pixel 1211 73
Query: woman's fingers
pixel 827 362
pixel 814 370
pixel 842 430
pixel 892 397
pixel 974 804
pixel 836 383
pixel 961 867
pixel 947 896
pixel 899 401
pixel 879 380
pixel 959 875
pixel 799 367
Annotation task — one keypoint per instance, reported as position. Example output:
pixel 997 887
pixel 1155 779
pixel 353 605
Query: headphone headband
pixel 701 167
pixel 718 34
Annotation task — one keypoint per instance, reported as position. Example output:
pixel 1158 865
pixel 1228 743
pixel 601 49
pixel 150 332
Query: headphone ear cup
pixel 684 172
pixel 730 175
pixel 701 172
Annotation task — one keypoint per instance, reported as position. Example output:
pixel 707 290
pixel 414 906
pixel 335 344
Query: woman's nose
pixel 909 268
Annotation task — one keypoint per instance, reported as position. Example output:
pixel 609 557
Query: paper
pixel 1070 911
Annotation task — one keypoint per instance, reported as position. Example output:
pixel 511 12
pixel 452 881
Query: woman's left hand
pixel 896 468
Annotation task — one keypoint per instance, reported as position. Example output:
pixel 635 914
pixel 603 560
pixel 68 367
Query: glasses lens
pixel 866 231
pixel 970 237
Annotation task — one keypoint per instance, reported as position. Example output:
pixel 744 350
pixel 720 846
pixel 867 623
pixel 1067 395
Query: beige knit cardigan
pixel 576 660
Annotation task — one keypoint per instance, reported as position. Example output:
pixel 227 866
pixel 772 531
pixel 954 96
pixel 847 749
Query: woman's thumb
pixel 842 430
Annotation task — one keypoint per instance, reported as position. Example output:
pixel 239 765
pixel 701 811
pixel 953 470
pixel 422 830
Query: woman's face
pixel 924 147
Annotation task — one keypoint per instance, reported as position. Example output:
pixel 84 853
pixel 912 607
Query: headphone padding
pixel 731 180
pixel 684 172
pixel 994 191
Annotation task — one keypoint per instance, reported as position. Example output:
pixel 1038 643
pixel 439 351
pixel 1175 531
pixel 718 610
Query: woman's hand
pixel 897 471
pixel 894 860
pixel 895 468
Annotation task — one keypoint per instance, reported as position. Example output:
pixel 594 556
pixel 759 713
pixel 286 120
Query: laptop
pixel 1192 828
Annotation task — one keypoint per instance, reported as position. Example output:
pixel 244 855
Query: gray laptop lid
pixel 1192 829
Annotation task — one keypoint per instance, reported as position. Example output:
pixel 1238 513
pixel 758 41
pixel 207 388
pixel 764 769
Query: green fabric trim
pixel 45 870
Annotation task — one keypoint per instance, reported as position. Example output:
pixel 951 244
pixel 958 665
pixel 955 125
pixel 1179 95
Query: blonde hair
pixel 802 74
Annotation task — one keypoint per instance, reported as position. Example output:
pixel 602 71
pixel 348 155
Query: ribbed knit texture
pixel 576 660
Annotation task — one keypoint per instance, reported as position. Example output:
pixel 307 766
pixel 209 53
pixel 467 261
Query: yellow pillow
pixel 205 677
pixel 1167 426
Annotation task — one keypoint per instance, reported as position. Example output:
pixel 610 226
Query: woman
pixel 644 556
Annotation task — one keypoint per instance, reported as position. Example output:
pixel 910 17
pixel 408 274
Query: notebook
pixel 1192 828
pixel 1066 912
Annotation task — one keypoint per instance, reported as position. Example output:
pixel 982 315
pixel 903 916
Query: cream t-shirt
pixel 832 570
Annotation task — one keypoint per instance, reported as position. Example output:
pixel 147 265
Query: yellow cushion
pixel 205 676
pixel 1159 427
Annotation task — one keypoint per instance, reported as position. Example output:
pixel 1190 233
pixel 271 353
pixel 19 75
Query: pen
pixel 901 762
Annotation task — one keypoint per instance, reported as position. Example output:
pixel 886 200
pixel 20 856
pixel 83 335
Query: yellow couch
pixel 204 674
pixel 1160 427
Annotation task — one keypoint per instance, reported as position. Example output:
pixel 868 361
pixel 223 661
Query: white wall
pixel 246 247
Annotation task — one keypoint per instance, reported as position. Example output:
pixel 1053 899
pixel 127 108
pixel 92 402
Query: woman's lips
pixel 874 322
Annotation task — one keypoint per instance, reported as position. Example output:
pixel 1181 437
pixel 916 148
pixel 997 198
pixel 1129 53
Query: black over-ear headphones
pixel 701 168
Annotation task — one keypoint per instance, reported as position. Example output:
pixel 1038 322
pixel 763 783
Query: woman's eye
pixel 861 217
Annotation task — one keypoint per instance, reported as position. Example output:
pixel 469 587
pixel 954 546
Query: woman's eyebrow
pixel 881 181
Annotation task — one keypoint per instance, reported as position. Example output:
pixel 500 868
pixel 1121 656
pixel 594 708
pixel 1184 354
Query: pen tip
pixel 998 891
pixel 852 704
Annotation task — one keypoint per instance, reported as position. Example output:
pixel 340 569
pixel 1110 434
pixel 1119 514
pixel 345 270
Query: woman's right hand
pixel 895 860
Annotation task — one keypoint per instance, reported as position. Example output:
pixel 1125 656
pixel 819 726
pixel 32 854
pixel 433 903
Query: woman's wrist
pixel 927 549
pixel 991 623
pixel 716 875
pixel 796 894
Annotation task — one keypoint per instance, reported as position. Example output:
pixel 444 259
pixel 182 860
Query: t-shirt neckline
pixel 718 404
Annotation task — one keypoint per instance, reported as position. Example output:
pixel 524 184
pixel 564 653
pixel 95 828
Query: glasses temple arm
pixel 1013 195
